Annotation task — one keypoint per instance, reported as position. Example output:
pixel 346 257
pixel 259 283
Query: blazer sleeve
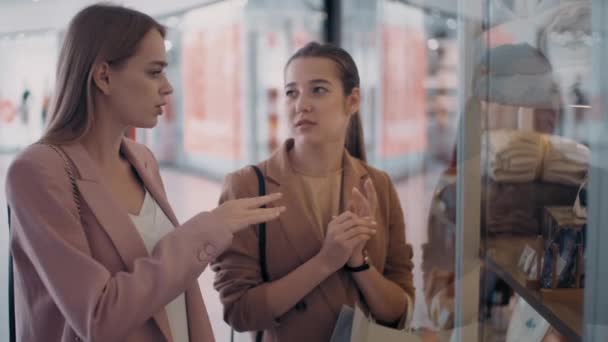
pixel 48 233
pixel 238 276
pixel 399 265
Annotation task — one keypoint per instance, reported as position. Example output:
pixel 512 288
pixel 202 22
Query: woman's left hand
pixel 363 206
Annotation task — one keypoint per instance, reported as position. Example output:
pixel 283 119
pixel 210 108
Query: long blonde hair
pixel 98 33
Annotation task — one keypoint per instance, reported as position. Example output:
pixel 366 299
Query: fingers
pixel 345 216
pixel 357 231
pixel 350 207
pixel 372 195
pixel 362 201
pixel 357 221
pixel 370 190
pixel 262 215
pixel 263 212
pixel 347 221
pixel 256 202
pixel 358 240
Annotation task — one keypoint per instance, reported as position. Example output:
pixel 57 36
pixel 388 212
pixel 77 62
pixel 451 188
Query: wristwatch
pixel 363 267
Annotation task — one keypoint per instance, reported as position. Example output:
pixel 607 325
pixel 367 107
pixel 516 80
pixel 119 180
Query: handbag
pixel 11 281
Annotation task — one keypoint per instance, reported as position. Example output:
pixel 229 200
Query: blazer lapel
pixel 113 218
pixel 153 185
pixel 297 221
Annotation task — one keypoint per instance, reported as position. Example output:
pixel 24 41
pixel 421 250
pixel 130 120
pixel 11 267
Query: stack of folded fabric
pixel 519 157
pixel 565 161
pixel 513 156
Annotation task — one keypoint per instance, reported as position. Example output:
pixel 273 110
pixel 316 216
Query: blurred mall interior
pixel 487 114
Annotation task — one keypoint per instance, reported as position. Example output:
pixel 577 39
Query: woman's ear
pixel 353 101
pixel 101 77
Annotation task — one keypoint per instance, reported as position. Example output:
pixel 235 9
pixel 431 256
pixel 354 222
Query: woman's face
pixel 317 106
pixel 138 88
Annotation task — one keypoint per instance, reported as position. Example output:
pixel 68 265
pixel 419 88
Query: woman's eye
pixel 319 90
pixel 156 72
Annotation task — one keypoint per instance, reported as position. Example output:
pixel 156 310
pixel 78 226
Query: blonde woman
pixel 98 252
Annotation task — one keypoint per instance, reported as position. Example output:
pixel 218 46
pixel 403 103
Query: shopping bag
pixel 343 326
pixel 364 329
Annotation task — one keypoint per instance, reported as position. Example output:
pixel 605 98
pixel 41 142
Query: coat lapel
pixel 113 218
pixel 154 186
pixel 298 224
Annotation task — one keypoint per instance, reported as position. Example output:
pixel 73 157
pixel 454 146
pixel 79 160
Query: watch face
pixel 365 256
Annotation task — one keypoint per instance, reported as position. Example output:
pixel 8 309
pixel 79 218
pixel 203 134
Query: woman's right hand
pixel 344 233
pixel 240 213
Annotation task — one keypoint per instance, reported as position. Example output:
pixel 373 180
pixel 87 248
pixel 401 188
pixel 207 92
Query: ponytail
pixel 355 142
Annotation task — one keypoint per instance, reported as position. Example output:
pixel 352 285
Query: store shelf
pixel 563 309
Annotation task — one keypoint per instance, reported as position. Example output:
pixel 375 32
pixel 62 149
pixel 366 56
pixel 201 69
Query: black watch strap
pixel 361 268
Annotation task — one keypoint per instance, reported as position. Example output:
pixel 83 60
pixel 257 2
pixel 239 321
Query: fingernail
pixel 374 231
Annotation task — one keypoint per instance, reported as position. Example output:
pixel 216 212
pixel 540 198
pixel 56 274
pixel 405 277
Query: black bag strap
pixel 259 335
pixel 11 289
pixel 262 226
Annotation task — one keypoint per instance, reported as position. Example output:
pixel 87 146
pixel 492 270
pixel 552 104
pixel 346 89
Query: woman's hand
pixel 241 213
pixel 344 233
pixel 364 206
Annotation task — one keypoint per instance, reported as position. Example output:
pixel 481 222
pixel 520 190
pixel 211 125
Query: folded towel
pixel 519 156
pixel 565 161
pixel 513 156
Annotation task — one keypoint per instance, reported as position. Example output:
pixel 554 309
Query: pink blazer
pixel 90 277
pixel 295 238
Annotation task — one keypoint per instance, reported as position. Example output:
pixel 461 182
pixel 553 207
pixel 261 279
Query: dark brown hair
pixel 98 33
pixel 349 75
